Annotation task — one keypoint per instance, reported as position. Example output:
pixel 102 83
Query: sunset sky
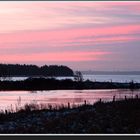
pixel 81 35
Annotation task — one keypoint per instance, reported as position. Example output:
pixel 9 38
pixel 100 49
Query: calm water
pixel 12 99
pixel 100 78
pixel 113 78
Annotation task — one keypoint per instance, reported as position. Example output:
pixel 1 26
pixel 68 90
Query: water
pixel 113 78
pixel 100 78
pixel 11 99
pixel 24 78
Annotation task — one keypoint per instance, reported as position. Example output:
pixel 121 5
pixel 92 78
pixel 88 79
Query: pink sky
pixel 81 35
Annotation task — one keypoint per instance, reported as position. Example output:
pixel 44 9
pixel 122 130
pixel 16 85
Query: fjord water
pixel 113 78
pixel 11 99
pixel 100 78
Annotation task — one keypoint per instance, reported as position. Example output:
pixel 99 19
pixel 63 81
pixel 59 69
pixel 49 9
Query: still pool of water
pixel 11 99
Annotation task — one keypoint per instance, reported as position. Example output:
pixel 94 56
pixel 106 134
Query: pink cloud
pixel 104 40
pixel 67 35
pixel 61 56
pixel 53 15
pixel 26 25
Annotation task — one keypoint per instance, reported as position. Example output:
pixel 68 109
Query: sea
pixel 98 78
pixel 10 100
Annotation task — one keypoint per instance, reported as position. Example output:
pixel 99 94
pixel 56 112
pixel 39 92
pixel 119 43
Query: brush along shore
pixel 101 118
pixel 67 84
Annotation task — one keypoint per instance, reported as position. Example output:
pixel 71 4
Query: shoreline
pixel 114 117
pixel 67 84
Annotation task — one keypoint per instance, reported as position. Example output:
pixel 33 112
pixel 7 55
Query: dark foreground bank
pixel 54 84
pixel 112 117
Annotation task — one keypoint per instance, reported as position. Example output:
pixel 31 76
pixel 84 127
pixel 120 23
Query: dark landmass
pixel 112 72
pixel 116 117
pixel 11 70
pixel 67 84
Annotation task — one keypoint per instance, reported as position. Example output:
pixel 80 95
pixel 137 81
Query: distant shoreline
pixel 111 72
pixel 67 84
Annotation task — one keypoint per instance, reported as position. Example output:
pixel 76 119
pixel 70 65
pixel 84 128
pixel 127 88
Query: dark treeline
pixel 67 84
pixel 33 70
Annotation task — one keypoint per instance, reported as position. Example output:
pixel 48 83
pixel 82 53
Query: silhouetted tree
pixel 78 76
pixel 132 85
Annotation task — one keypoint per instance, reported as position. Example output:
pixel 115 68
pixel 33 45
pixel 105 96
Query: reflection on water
pixel 10 99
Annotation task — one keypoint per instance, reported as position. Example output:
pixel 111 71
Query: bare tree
pixel 78 76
